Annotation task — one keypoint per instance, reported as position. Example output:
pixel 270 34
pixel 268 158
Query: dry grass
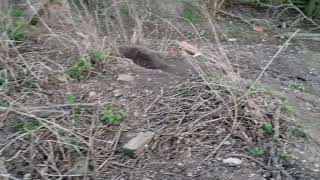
pixel 53 139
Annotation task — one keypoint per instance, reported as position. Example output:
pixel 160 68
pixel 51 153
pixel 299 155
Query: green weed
pixel 16 13
pixel 4 79
pixel 190 15
pixel 257 152
pixel 298 134
pixel 113 116
pixel 268 128
pixel 97 56
pixel 26 125
pixel 71 99
pixel 287 108
pixel 18 30
pixel 80 69
pixel 297 87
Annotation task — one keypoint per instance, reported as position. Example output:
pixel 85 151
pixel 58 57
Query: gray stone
pixel 125 77
pixel 27 176
pixel 117 93
pixel 232 161
pixel 136 144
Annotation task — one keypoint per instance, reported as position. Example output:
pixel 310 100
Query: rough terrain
pixel 186 117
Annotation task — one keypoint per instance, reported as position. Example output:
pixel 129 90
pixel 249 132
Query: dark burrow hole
pixel 144 57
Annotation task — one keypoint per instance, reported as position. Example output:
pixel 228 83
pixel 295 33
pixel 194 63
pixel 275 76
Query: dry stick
pixel 43 22
pixel 288 6
pixel 46 107
pixel 234 126
pixel 155 100
pixel 271 61
pixel 170 23
pixel 114 148
pixel 46 124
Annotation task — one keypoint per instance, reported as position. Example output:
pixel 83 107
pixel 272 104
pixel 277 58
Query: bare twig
pixel 283 47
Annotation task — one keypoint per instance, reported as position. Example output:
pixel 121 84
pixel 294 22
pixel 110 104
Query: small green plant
pixel 190 15
pixel 287 108
pixel 26 125
pixel 268 128
pixel 18 30
pixel 4 79
pixel 71 99
pixel 97 56
pixel 80 69
pixel 257 152
pixel 298 134
pixel 297 87
pixel 16 13
pixel 113 116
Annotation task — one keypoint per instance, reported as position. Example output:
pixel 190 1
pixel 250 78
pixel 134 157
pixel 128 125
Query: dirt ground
pixel 198 124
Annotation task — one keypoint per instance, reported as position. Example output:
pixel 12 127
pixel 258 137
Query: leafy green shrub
pixel 16 13
pixel 3 80
pixel 297 87
pixel 18 30
pixel 190 15
pixel 80 69
pixel 113 116
pixel 268 128
pixel 71 99
pixel 24 125
pixel 257 152
pixel 97 56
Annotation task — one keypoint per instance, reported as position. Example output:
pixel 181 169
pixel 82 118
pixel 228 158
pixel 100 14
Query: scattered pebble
pixel 125 77
pixel 232 161
pixel 92 94
pixel 227 143
pixel 136 144
pixel 27 177
pixel 117 93
pixel 232 39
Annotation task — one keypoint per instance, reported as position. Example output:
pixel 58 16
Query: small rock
pixel 27 177
pixel 227 143
pixel 232 39
pixel 136 145
pixel 92 94
pixel 232 161
pixel 125 77
pixel 117 93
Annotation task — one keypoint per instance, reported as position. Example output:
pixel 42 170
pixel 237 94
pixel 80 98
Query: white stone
pixel 232 161
pixel 117 93
pixel 92 94
pixel 125 77
pixel 138 143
